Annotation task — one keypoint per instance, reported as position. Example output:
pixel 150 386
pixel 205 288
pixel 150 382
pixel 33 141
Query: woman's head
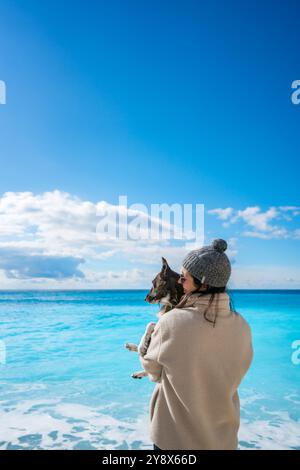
pixel 191 284
pixel 206 271
pixel 209 266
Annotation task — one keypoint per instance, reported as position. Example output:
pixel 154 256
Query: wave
pixel 34 424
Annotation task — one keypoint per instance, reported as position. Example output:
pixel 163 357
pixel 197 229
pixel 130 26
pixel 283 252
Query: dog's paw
pixel 134 376
pixel 138 375
pixel 131 346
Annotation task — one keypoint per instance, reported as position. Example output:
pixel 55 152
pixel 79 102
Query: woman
pixel 198 354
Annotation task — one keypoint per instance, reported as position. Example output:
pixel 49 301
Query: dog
pixel 166 291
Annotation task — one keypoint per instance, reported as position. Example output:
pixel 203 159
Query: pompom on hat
pixel 209 264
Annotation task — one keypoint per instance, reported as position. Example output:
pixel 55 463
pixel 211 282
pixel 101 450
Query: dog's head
pixel 165 287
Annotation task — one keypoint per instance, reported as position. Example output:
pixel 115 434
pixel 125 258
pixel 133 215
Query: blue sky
pixel 165 102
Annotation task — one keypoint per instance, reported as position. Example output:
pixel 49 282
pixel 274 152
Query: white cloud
pixel 135 278
pixel 19 265
pixel 297 233
pixel 265 277
pixel 111 279
pixel 294 209
pixel 260 222
pixel 61 224
pixel 275 233
pixel 257 219
pixel 222 214
pixel 49 240
pixel 39 232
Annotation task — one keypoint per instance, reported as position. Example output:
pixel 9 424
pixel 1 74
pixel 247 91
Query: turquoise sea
pixel 65 375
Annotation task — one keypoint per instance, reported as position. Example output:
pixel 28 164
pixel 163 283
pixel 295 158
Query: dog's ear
pixel 165 267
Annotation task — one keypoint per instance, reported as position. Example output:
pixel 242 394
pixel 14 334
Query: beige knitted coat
pixel 197 368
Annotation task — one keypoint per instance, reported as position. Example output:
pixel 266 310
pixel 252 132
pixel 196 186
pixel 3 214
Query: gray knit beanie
pixel 209 264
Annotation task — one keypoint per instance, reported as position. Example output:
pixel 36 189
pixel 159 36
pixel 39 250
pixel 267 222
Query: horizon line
pixel 140 289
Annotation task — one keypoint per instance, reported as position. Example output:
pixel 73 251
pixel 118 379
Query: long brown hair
pixel 212 291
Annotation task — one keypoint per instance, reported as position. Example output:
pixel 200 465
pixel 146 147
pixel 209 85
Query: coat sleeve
pixel 150 361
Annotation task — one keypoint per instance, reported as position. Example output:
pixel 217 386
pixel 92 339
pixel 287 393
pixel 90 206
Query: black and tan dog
pixel 165 291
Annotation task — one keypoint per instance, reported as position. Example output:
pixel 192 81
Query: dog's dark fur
pixel 166 291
